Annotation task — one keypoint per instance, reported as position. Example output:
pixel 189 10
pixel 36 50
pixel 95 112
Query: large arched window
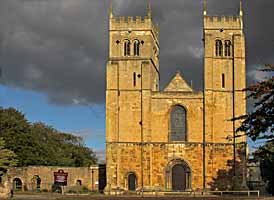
pixel 136 48
pixel 218 48
pixel 178 129
pixel 227 48
pixel 127 48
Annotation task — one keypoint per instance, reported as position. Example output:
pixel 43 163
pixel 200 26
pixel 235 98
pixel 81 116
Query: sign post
pixel 60 178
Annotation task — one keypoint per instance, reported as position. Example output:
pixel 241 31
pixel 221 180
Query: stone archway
pixel 178 175
pixel 78 182
pixel 35 183
pixel 17 184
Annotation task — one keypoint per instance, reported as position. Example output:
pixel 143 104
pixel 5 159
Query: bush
pixel 44 190
pixel 56 188
pixel 78 190
pixel 85 189
pixel 72 191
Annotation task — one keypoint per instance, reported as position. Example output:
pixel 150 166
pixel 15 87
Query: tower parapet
pixel 130 23
pixel 225 22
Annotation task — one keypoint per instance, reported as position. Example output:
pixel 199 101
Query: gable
pixel 178 84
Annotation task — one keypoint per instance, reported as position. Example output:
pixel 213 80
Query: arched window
pixel 136 48
pixel 127 48
pixel 218 48
pixel 227 48
pixel 178 124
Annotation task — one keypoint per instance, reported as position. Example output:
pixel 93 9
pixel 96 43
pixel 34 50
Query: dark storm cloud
pixel 60 47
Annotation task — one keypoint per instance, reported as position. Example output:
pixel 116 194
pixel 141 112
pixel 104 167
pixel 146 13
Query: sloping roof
pixel 178 84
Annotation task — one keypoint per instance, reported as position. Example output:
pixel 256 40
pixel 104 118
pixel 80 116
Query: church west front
pixel 175 139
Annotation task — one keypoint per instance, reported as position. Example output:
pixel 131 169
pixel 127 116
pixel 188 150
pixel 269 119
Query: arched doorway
pixel 17 184
pixel 132 180
pixel 178 175
pixel 178 178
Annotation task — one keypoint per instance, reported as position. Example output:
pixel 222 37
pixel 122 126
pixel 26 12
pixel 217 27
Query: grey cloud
pixel 60 47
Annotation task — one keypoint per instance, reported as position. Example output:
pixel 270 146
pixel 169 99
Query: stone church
pixel 175 139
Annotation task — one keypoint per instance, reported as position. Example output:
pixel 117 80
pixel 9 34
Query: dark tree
pixel 259 124
pixel 265 154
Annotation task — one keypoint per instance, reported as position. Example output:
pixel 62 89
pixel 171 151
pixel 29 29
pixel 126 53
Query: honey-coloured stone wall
pixel 88 176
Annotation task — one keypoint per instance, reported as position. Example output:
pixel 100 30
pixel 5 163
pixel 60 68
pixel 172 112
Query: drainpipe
pixel 233 106
pixel 142 135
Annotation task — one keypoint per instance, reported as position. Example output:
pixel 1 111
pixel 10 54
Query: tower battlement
pixel 130 23
pixel 224 22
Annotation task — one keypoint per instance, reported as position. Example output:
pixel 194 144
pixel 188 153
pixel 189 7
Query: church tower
pixel 132 75
pixel 224 73
pixel 224 80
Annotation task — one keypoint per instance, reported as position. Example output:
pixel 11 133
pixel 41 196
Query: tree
pixel 39 144
pixel 16 131
pixel 265 154
pixel 56 148
pixel 7 158
pixel 259 124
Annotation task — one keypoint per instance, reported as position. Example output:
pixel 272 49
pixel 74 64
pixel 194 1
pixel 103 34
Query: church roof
pixel 178 84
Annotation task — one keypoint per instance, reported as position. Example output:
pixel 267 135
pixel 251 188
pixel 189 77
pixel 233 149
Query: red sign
pixel 60 177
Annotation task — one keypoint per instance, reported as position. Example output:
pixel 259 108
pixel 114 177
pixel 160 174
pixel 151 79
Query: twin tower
pixel 176 139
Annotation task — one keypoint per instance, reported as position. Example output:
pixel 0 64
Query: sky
pixel 53 53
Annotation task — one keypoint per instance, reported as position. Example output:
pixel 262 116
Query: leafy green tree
pixel 7 158
pixel 39 144
pixel 16 131
pixel 61 148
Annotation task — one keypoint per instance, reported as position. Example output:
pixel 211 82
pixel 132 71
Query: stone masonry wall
pixel 88 176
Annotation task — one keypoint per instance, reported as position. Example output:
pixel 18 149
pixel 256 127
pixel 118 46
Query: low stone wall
pixel 42 177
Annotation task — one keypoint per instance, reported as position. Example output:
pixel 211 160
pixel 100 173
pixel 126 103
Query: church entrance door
pixel 132 182
pixel 178 178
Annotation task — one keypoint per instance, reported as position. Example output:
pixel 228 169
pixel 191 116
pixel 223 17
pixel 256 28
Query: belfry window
pixel 127 48
pixel 178 131
pixel 136 48
pixel 227 48
pixel 218 48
